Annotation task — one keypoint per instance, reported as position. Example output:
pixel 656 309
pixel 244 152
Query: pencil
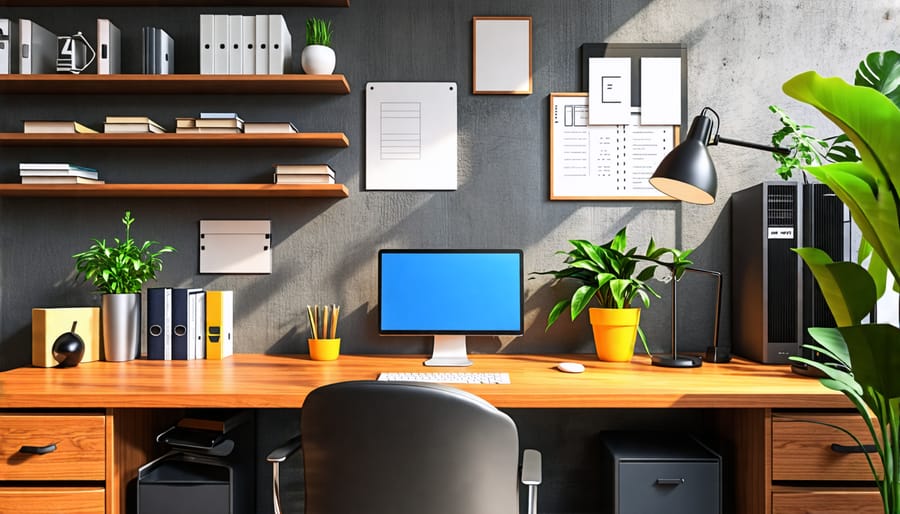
pixel 335 310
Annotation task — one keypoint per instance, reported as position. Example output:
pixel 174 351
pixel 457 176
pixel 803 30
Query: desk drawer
pixel 809 500
pixel 79 439
pixel 52 500
pixel 801 450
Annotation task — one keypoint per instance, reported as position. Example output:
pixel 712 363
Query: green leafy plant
pixel 867 355
pixel 318 32
pixel 609 274
pixel 122 267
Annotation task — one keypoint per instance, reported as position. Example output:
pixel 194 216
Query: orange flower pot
pixel 615 331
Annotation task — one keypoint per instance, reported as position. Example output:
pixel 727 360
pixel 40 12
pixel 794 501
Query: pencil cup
pixel 324 349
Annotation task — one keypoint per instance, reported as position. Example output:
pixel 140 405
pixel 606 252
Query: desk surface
pixel 283 381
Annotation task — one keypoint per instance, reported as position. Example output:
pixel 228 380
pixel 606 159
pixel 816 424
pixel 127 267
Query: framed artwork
pixel 501 55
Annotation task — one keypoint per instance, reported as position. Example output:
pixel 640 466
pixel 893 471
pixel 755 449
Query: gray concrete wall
pixel 739 53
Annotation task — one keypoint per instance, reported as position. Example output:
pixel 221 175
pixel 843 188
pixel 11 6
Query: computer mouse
pixel 570 367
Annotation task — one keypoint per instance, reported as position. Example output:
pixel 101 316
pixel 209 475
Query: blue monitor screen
pixel 450 291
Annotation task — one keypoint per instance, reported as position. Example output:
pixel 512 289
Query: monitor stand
pixel 449 350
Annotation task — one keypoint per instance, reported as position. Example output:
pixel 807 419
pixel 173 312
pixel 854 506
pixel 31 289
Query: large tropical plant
pixel 610 275
pixel 869 353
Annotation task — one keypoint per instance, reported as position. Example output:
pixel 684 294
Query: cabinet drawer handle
pixel 669 481
pixel 855 448
pixel 38 450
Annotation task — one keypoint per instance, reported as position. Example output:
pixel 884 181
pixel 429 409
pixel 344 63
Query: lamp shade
pixel 687 172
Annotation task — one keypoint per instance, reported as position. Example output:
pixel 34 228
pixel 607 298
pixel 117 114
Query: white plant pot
pixel 317 60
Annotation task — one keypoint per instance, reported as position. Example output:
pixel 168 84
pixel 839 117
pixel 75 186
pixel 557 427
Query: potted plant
pixel 867 355
pixel 317 57
pixel 609 274
pixel 118 271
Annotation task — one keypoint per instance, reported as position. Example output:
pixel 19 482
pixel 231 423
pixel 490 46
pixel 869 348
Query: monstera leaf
pixel 881 72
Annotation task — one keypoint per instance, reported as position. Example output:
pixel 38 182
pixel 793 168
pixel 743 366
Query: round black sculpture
pixel 68 349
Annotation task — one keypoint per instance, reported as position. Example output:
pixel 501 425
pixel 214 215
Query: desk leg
pixel 131 443
pixel 748 437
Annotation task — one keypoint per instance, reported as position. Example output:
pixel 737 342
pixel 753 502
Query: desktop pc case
pixel 774 296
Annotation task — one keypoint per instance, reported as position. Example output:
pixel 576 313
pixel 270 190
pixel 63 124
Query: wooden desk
pixel 140 398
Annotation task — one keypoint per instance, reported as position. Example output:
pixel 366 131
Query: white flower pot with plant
pixel 119 272
pixel 318 57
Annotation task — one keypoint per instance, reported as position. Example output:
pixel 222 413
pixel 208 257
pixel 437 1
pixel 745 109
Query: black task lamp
pixel 687 173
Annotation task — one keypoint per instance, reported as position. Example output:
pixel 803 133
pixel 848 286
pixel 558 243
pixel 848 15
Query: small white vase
pixel 317 60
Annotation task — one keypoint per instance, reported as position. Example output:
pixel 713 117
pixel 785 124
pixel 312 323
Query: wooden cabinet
pixel 59 452
pixel 806 449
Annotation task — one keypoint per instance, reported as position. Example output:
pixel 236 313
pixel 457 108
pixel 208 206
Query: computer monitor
pixel 450 294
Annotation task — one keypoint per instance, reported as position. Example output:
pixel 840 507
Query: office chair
pixel 407 448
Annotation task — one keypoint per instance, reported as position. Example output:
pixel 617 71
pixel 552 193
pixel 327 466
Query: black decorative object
pixel 687 172
pixel 68 349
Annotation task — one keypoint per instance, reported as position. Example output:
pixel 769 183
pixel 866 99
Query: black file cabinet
pixel 646 472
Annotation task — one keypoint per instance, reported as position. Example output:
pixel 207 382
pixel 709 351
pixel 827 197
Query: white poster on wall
pixel 411 136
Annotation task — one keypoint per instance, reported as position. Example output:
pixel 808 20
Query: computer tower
pixel 767 297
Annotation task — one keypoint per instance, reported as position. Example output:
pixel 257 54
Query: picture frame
pixel 501 55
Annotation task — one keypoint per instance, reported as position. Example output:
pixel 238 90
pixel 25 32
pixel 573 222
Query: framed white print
pixel 501 55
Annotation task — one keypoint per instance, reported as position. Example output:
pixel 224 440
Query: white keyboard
pixel 467 377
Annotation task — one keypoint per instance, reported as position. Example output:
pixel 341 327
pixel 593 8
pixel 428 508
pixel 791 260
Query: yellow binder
pixel 219 324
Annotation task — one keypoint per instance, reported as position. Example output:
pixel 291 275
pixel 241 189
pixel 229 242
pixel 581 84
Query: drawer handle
pixel 854 448
pixel 38 450
pixel 669 481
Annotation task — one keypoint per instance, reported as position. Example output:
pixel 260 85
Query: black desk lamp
pixel 713 353
pixel 687 173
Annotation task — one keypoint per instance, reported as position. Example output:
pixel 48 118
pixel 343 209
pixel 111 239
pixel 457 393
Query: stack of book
pixel 304 174
pixel 57 173
pixel 55 127
pixel 269 127
pixel 211 123
pixel 131 125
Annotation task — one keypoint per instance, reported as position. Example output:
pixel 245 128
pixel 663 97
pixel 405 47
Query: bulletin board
pixel 608 152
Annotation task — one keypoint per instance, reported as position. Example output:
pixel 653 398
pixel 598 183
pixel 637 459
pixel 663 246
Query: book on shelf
pixel 132 128
pixel 185 123
pixel 220 116
pixel 109 48
pixel 55 170
pixel 207 130
pixel 219 123
pixel 304 179
pixel 158 52
pixel 304 169
pixel 55 127
pixel 131 119
pixel 269 127
pixel 61 180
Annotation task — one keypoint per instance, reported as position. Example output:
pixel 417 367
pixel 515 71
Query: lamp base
pixel 668 361
pixel 717 355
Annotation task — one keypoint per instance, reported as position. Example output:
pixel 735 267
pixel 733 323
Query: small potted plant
pixel 118 271
pixel 317 57
pixel 610 274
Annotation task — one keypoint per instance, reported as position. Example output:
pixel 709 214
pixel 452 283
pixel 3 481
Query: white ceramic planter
pixel 317 60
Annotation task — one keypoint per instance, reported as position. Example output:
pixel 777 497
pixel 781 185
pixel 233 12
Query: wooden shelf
pixel 317 139
pixel 174 84
pixel 182 3
pixel 177 190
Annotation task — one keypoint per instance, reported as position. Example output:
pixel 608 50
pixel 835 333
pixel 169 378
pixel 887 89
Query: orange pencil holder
pixel 324 349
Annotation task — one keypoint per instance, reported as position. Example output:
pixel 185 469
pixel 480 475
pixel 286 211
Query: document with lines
pixel 411 136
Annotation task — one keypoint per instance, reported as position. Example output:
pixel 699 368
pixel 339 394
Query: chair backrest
pixel 402 448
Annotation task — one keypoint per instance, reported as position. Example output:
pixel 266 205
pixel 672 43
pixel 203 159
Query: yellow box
pixel 48 324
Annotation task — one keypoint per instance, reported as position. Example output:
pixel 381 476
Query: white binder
pixel 248 46
pixel 37 49
pixel 9 46
pixel 220 44
pixel 279 45
pixel 262 44
pixel 109 48
pixel 235 36
pixel 165 53
pixel 206 44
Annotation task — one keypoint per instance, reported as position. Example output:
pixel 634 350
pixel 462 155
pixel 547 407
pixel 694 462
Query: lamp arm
pixel 774 149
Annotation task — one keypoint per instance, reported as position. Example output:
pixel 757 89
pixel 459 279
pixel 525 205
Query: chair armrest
pixel 531 467
pixel 284 451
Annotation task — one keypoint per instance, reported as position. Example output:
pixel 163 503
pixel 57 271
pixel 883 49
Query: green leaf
pixel 618 288
pixel 832 342
pixel 619 242
pixel 581 298
pixel 556 311
pixel 875 354
pixel 881 71
pixel 848 289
